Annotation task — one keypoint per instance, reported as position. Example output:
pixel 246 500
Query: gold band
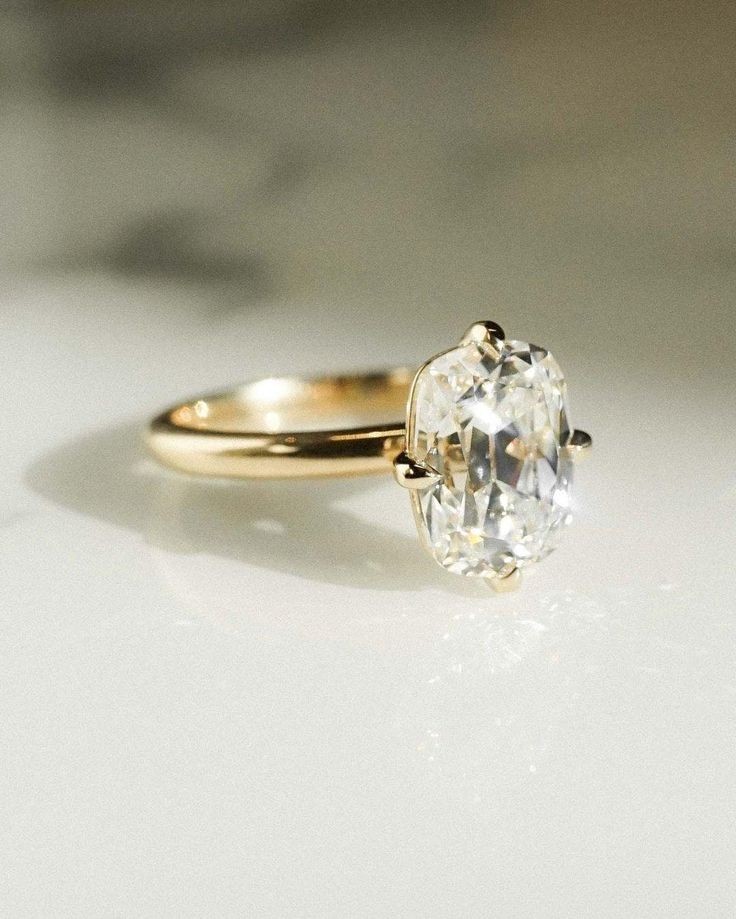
pixel 466 427
pixel 288 428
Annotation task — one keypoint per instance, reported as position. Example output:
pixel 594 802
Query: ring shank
pixel 288 427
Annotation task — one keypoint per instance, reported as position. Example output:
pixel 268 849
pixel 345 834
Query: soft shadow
pixel 168 246
pixel 293 527
pixel 118 56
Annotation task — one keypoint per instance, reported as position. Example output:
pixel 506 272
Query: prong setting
pixel 505 582
pixel 484 332
pixel 579 444
pixel 413 475
pixel 448 429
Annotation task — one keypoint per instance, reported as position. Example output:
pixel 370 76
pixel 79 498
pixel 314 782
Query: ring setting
pixel 489 455
pixel 485 449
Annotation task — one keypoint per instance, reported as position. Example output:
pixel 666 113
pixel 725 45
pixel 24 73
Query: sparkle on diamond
pixel 493 426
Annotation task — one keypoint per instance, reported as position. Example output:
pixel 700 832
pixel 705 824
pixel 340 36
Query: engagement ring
pixel 486 450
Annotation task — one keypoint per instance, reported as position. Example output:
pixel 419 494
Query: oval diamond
pixel 493 425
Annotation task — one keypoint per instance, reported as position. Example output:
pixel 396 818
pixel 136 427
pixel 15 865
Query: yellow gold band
pixel 288 427
pixel 482 427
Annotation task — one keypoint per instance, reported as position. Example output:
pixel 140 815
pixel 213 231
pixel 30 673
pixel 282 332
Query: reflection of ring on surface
pixel 486 450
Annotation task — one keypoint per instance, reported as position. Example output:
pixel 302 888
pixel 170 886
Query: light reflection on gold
pixel 272 421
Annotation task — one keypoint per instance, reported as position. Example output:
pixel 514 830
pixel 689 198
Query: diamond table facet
pixel 493 424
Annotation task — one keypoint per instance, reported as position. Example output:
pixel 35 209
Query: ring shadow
pixel 294 527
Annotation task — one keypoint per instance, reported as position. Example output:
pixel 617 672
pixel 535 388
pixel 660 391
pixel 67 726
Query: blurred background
pixel 236 699
pixel 562 161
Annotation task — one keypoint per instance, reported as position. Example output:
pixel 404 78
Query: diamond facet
pixel 494 426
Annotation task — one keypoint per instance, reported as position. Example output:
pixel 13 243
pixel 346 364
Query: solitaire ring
pixel 479 436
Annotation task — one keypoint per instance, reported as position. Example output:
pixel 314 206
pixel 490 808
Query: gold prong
pixel 503 583
pixel 579 444
pixel 484 332
pixel 413 475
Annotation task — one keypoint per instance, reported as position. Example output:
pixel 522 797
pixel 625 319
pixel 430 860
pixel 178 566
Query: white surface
pixel 215 703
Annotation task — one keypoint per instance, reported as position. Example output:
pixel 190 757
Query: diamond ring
pixel 486 450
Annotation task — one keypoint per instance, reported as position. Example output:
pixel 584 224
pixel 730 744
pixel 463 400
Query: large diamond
pixel 493 425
